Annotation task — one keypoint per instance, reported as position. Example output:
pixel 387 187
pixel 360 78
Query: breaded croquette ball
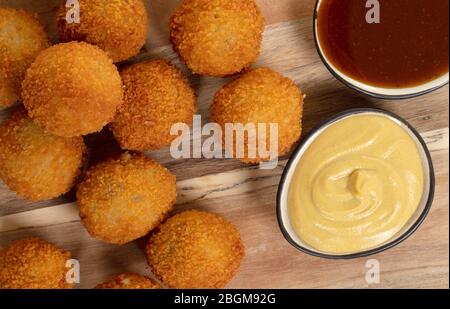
pixel 260 97
pixel 72 89
pixel 157 95
pixel 35 164
pixel 129 281
pixel 195 249
pixel 33 263
pixel 22 37
pixel 122 199
pixel 119 27
pixel 217 37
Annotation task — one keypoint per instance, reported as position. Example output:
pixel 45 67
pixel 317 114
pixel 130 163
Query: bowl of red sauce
pixel 388 49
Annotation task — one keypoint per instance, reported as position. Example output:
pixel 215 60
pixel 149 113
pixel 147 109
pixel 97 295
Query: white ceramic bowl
pixel 377 92
pixel 412 225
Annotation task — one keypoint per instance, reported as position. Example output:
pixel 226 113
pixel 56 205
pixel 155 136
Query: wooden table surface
pixel 244 194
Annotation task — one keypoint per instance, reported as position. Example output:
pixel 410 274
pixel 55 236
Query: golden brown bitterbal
pixel 195 249
pixel 124 198
pixel 157 96
pixel 22 38
pixel 118 27
pixel 72 89
pixel 260 97
pixel 33 263
pixel 217 37
pixel 35 164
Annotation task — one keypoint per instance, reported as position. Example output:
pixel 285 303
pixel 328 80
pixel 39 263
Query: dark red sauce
pixel 407 48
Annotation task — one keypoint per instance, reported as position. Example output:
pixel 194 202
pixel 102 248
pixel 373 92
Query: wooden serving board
pixel 244 194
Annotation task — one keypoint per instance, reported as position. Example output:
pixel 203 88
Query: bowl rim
pixel 290 164
pixel 350 85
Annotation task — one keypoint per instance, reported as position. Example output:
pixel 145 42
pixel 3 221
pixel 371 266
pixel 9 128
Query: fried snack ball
pixel 157 95
pixel 260 96
pixel 119 27
pixel 129 281
pixel 124 198
pixel 217 37
pixel 22 37
pixel 35 164
pixel 33 263
pixel 195 249
pixel 72 89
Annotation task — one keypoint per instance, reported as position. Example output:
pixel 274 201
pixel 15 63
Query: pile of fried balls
pixel 74 88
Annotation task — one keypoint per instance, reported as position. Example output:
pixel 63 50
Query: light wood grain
pixel 244 194
pixel 194 190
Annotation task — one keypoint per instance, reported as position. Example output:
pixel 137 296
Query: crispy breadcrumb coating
pixel 124 198
pixel 33 263
pixel 195 249
pixel 9 94
pixel 217 37
pixel 157 95
pixel 118 27
pixel 129 281
pixel 37 165
pixel 261 96
pixel 72 89
pixel 22 37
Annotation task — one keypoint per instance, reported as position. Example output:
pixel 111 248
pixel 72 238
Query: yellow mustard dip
pixel 356 185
